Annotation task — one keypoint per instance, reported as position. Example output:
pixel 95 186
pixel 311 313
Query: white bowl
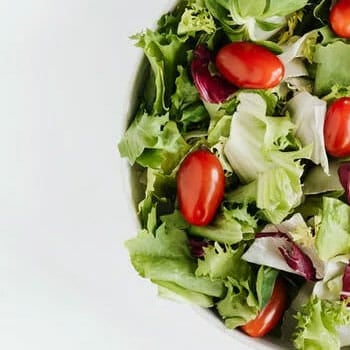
pixel 236 337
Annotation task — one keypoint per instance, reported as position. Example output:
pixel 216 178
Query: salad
pixel 240 145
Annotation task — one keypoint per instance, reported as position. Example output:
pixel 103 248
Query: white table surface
pixel 65 278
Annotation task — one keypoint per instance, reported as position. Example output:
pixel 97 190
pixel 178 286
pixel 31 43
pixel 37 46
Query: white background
pixel 65 277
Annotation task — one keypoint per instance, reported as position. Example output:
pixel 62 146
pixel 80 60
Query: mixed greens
pixel 285 213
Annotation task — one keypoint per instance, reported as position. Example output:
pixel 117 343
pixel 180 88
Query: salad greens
pixel 285 211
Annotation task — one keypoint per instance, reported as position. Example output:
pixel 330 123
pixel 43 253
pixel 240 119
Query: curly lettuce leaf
pixel 196 18
pixel 318 322
pixel 153 141
pixel 240 304
pixel 221 262
pixel 164 52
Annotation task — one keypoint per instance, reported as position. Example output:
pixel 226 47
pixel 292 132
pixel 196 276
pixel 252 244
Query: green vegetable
pixel 252 20
pixel 265 284
pixel 317 324
pixel 333 237
pixel 166 257
pixel 196 18
pixel 230 226
pixel 263 142
pixel 333 67
pixel 239 305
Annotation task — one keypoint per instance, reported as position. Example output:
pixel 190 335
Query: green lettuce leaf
pixel 278 192
pixel 252 20
pixel 317 323
pixel 258 142
pixel 174 292
pixel 220 263
pixel 275 193
pixel 229 226
pixel 316 181
pixel 160 193
pixel 333 67
pixel 153 141
pixel 187 108
pixel 196 18
pixel 164 52
pixel 264 284
pixel 165 257
pixel 239 305
pixel 331 286
pixel 333 237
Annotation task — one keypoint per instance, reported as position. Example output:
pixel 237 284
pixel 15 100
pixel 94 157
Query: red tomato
pixel 339 18
pixel 337 128
pixel 271 314
pixel 200 187
pixel 248 65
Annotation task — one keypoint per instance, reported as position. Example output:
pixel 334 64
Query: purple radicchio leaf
pixel 344 177
pixel 345 293
pixel 293 255
pixel 197 246
pixel 212 88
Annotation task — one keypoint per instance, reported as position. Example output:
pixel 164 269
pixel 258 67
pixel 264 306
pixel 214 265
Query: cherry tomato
pixel 271 314
pixel 339 18
pixel 200 187
pixel 248 65
pixel 337 128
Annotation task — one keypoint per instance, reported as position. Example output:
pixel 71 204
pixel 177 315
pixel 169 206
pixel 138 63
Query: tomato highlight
pixel 337 128
pixel 339 18
pixel 248 65
pixel 200 187
pixel 271 314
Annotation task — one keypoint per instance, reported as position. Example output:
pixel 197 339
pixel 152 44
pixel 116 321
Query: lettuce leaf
pixel 257 142
pixel 317 325
pixel 186 106
pixel 220 263
pixel 165 258
pixel 229 226
pixel 153 141
pixel 332 67
pixel 264 284
pixel 275 193
pixel 278 192
pixel 164 52
pixel 333 236
pixel 308 114
pixel 252 20
pixel 316 181
pixel 239 305
pixel 196 18
pixel 330 287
